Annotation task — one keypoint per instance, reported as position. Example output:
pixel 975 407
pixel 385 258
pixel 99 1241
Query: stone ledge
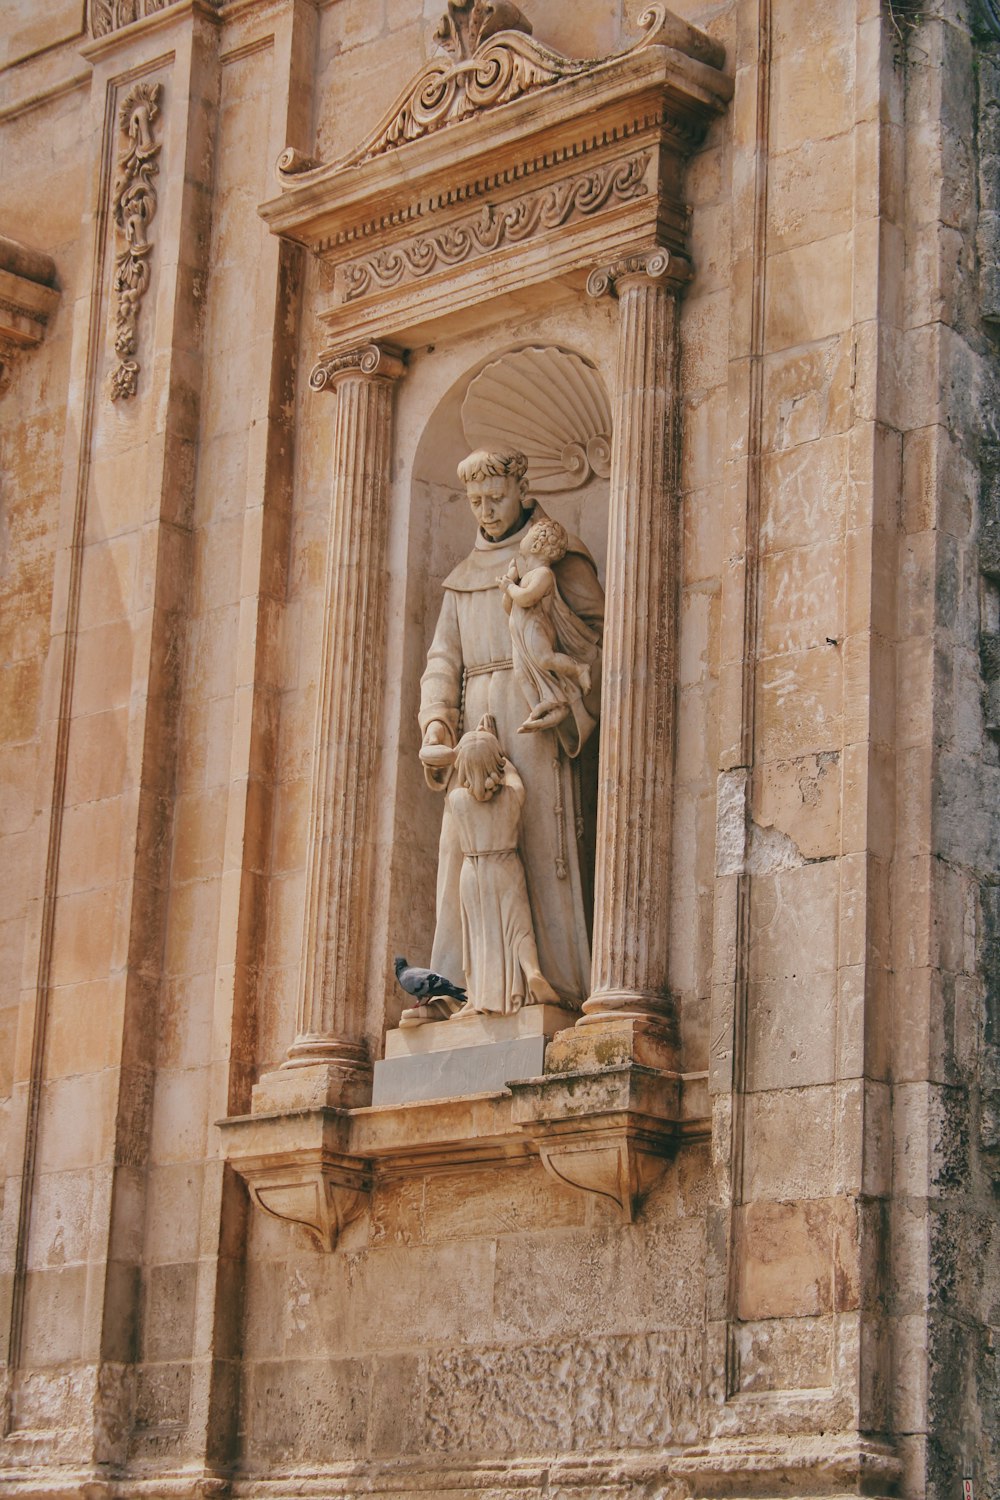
pixel 28 299
pixel 608 1131
pixel 841 1464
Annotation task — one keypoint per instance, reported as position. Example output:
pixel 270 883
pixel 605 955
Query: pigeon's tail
pixel 453 991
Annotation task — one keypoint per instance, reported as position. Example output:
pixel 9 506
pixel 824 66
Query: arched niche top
pixel 505 171
pixel 551 405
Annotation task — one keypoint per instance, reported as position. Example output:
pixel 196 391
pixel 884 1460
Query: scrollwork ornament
pixel 491 227
pixel 656 264
pixel 494 60
pixel 377 361
pixel 133 208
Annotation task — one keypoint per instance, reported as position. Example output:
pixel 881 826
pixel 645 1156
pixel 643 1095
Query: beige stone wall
pixel 820 1275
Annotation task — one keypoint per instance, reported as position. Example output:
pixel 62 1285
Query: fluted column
pixel 632 879
pixel 332 983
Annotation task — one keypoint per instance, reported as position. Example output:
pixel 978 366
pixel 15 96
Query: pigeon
pixel 424 984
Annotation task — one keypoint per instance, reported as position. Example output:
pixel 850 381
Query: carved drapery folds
pixel 636 771
pixel 133 208
pixel 345 750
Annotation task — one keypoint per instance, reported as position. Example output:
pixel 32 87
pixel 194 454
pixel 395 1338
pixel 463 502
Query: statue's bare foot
pixel 436 1009
pixel 540 991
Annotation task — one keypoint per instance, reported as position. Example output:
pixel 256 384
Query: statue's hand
pixel 437 733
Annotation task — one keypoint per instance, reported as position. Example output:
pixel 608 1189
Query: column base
pixel 319 1072
pixel 637 1008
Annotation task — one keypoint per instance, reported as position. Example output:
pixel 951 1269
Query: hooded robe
pixel 470 673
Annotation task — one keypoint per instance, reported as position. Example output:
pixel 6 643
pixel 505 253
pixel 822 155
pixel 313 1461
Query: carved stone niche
pixel 28 298
pixel 505 175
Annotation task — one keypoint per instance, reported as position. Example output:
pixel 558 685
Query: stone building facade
pixel 730 279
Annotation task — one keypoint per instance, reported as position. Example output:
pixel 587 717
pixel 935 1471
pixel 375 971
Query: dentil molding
pixel 499 168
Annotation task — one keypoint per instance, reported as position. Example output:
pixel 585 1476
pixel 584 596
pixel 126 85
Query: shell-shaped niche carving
pixel 552 406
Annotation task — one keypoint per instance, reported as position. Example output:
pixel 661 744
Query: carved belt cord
pixel 504 665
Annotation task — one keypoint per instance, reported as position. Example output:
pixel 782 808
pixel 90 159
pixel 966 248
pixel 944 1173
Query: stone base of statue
pixel 470 1054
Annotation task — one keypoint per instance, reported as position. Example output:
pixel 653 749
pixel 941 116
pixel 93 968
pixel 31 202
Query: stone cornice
pixel 505 66
pixel 28 299
pixel 572 171
pixel 151 17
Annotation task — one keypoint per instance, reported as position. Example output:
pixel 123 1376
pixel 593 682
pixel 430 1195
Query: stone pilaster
pixel 629 975
pixel 329 1038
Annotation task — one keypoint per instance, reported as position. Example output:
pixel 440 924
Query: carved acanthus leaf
pixel 468 23
pixel 484 232
pixel 504 66
pixel 107 16
pixel 133 208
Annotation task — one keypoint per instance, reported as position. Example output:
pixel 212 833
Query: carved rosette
pixel 133 208
pixel 332 988
pixel 629 974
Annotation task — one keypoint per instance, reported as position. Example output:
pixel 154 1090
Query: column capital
pixel 645 264
pixel 377 361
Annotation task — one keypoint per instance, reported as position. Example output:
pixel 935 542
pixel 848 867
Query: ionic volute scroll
pixel 378 361
pixel 656 265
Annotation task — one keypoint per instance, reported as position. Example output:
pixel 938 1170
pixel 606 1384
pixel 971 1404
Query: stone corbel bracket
pixel 297 1167
pixel 502 172
pixel 608 1131
pixel 28 298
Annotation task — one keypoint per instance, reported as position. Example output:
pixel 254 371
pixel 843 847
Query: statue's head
pixel 496 486
pixel 479 762
pixel 545 541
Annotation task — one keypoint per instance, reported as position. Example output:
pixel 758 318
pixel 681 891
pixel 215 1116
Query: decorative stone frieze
pixel 28 298
pixel 107 16
pixel 484 232
pixel 582 160
pixel 133 208
pixel 502 66
pixel 636 773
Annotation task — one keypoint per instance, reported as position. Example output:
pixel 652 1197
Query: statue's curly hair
pixel 548 537
pixel 487 464
pixel 479 763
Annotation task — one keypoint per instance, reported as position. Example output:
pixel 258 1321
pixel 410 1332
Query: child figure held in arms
pixel 541 622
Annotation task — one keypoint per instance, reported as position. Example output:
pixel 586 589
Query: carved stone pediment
pixel 499 171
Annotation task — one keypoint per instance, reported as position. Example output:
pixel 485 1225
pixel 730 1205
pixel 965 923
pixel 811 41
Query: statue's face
pixel 496 503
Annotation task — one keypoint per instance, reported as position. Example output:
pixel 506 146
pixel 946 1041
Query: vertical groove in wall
pixel 751 598
pixel 63 718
